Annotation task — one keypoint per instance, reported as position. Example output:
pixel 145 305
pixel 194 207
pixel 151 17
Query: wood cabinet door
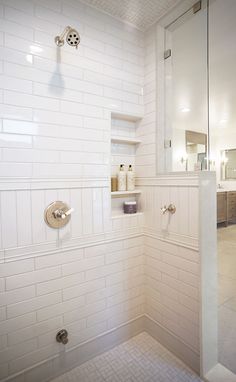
pixel 221 207
pixel 231 204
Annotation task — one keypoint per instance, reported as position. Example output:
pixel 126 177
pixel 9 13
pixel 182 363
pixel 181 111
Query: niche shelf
pixel 118 194
pixel 124 144
pixel 126 116
pixel 125 140
pixel 118 215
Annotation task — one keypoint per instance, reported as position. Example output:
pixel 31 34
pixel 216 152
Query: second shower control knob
pixel 171 208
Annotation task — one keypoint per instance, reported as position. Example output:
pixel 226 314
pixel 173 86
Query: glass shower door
pixel 186 105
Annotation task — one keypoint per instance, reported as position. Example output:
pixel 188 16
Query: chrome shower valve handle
pixel 164 209
pixel 57 214
pixel 171 208
pixel 61 214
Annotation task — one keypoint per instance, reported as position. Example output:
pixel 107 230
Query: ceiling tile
pixel 141 13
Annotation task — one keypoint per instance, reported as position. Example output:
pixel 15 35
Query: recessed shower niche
pixel 125 141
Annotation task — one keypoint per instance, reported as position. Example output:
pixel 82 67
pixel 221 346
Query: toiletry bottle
pixel 130 179
pixel 121 179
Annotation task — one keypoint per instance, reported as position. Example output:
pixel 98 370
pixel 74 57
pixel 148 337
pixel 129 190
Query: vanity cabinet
pixel 226 207
pixel 231 205
pixel 221 207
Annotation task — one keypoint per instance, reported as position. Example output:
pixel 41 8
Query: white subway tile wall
pixel 173 270
pixel 56 102
pixel 72 289
pixel 147 130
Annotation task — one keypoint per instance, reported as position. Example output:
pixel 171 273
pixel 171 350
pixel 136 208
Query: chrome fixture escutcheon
pixel 57 214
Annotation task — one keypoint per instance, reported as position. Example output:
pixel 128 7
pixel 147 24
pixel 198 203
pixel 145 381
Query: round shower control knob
pixel 57 214
pixel 62 336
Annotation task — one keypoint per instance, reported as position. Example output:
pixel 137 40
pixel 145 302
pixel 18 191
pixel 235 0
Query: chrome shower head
pixel 72 37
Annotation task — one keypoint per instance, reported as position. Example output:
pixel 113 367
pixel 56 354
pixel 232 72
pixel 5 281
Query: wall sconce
pixel 184 159
pixel 224 160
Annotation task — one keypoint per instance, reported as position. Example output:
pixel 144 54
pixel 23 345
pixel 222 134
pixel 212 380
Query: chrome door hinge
pixel 167 53
pixel 167 143
pixel 197 7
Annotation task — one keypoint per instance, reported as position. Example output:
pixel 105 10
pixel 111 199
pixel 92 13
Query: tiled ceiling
pixel 141 13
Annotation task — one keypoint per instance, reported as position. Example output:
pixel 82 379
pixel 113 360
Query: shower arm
pixel 59 40
pixel 61 37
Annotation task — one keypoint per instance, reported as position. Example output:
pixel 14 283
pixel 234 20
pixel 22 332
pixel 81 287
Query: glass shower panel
pixel 222 80
pixel 186 106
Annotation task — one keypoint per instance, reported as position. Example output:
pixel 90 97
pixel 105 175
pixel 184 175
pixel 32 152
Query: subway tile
pixel 82 289
pixel 82 265
pixel 104 293
pixel 16 84
pixel 30 156
pixel 180 263
pixel 60 283
pixel 23 18
pixel 58 259
pixel 88 333
pixel 20 322
pixel 9 170
pixel 189 278
pixel 67 119
pixel 16 351
pixel 3 342
pixel 33 304
pixel 29 100
pixel 16 267
pixel 183 288
pixel 15 57
pixel 84 311
pixel 16 112
pixel 34 331
pixel 17 295
pixel 104 271
pixel 103 249
pixel 32 358
pixel 57 92
pixel 23 5
pixel 82 109
pixel 2 284
pixel 3 314
pixel 16 29
pixel 66 69
pixel 15 141
pixel 30 278
pixel 4 371
pixel 60 308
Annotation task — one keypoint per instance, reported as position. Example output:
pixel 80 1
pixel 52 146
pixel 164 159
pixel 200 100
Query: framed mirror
pixel 228 164
pixel 196 151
